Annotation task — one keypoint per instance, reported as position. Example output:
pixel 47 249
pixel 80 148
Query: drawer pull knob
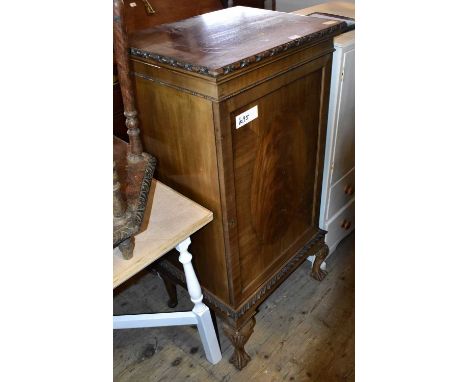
pixel 346 224
pixel 349 190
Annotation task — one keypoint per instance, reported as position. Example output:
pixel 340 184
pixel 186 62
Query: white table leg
pixel 204 322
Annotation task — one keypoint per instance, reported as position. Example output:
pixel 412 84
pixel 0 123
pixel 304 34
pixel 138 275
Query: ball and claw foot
pixel 239 358
pixel 238 338
pixel 317 273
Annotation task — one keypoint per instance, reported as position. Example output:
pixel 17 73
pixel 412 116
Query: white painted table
pixel 170 219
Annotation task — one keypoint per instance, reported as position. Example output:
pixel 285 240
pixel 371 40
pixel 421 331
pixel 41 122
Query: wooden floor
pixel 304 332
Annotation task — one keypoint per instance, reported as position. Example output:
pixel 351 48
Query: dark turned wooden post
pixel 121 57
pixel 119 205
pixel 135 167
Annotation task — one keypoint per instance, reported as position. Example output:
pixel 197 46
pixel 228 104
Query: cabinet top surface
pixel 220 42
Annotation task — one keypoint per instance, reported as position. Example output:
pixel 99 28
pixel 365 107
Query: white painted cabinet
pixel 337 206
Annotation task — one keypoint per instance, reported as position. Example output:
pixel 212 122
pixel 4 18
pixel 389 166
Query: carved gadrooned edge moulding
pixel 300 256
pixel 242 63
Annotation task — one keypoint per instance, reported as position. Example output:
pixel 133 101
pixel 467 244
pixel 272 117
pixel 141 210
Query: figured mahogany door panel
pixel 177 128
pixel 274 159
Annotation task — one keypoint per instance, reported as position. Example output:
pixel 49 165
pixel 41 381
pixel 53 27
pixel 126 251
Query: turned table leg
pixel 316 272
pixel 202 313
pixel 238 338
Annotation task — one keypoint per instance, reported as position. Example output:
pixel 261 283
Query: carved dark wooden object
pixel 136 17
pixel 263 180
pixel 121 57
pixel 133 169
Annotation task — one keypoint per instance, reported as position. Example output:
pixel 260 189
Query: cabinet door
pixel 277 173
pixel 343 160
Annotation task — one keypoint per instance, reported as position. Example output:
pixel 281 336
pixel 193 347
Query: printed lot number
pixel 246 116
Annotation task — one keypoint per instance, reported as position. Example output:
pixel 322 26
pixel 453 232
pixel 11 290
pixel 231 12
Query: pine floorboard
pixel 304 332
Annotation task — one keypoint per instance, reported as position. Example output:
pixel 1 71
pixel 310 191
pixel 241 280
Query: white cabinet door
pixel 343 159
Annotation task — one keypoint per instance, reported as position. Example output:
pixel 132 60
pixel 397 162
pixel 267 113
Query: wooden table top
pixel 169 219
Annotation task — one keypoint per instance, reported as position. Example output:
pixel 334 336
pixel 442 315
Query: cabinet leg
pixel 316 272
pixel 238 338
pixel 171 290
pixel 126 247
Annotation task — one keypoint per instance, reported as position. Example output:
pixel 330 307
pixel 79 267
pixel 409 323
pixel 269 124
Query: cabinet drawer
pixel 341 194
pixel 341 226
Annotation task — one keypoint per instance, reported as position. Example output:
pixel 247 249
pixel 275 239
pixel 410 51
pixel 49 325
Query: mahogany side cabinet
pixel 233 104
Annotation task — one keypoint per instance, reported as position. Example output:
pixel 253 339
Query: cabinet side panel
pixel 177 128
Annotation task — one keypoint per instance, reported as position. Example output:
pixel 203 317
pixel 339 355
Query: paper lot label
pixel 246 116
